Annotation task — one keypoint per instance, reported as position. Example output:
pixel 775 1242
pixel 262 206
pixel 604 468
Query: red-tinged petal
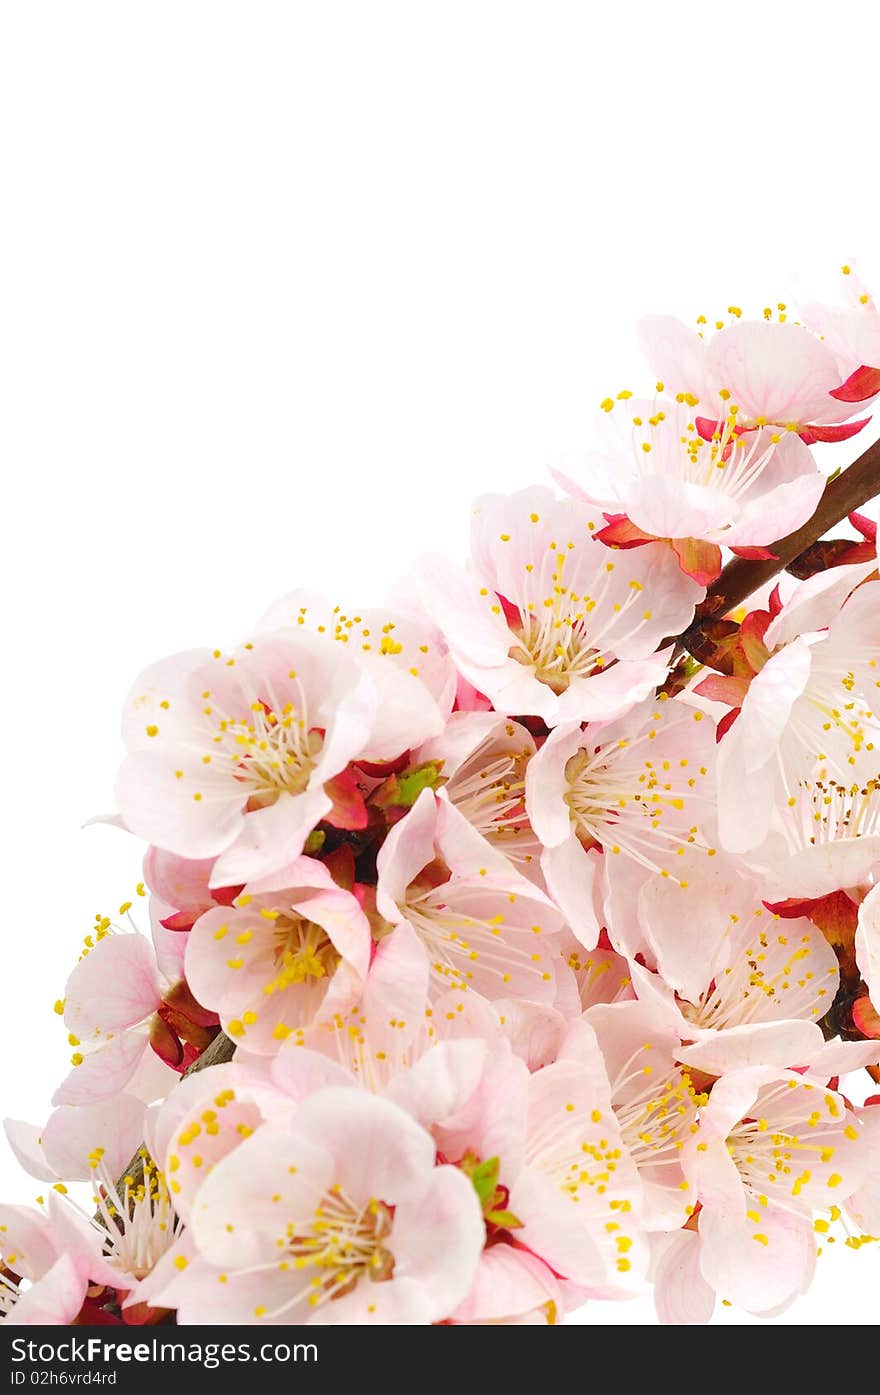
pixel 755 554
pixel 697 559
pixel 790 909
pixel 837 916
pixel 775 604
pixel 621 532
pixel 164 1042
pixel 348 810
pixel 719 688
pixel 708 426
pixel 181 920
pixel 811 434
pixel 859 386
pixel 864 525
pixel 752 632
pixel 142 1315
pixel 380 770
pixel 726 722
pixel 511 614
pixel 866 1017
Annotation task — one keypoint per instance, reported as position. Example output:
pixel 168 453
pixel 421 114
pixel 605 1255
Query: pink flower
pixel 744 986
pixel 135 1224
pixel 482 925
pixel 406 658
pixel 55 1287
pixel 342 1217
pixel 639 789
pixel 826 836
pixel 234 758
pixel 578 1195
pixel 742 491
pixel 387 1029
pixel 598 976
pixel 544 1151
pixel 547 622
pixel 808 713
pixel 208 1115
pixel 770 1149
pixel 863 1205
pixel 292 948
pixel 125 996
pixel 483 759
pixel 775 374
pixel 681 1295
pixel 127 1240
pixel 75 1136
pixel 653 1097
pixel 181 888
pixel 852 332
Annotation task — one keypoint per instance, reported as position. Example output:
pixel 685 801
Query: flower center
pixel 139 1223
pixel 773 1152
pixel 273 752
pixel 341 1244
pixel 489 790
pixel 561 634
pixel 755 986
pixel 303 953
pixel 627 803
pixel 655 1116
pixel 470 945
pixel 556 646
pixel 728 463
pixel 826 811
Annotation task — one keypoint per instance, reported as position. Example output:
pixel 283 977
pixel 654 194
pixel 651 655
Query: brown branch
pixel 741 578
pixel 222 1049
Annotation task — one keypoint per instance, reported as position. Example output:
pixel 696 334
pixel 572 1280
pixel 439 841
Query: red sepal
pixel 859 386
pixel 864 525
pixel 866 1018
pixel 718 687
pixel 726 722
pixel 142 1315
pixel 755 554
pixel 349 810
pixel 380 770
pixel 166 1044
pixel 512 614
pixel 697 559
pixel 622 532
pixel 811 434
pixel 181 1000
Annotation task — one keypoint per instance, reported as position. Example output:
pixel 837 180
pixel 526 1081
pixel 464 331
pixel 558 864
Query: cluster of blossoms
pixel 532 960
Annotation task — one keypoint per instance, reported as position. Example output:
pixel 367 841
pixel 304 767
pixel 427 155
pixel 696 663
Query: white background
pixel 284 286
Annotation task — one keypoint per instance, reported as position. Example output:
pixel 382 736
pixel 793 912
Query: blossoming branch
pixel 518 943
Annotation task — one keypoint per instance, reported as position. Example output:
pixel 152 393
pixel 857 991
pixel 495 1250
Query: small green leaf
pixel 315 841
pixel 402 791
pixel 505 1219
pixel 485 1179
